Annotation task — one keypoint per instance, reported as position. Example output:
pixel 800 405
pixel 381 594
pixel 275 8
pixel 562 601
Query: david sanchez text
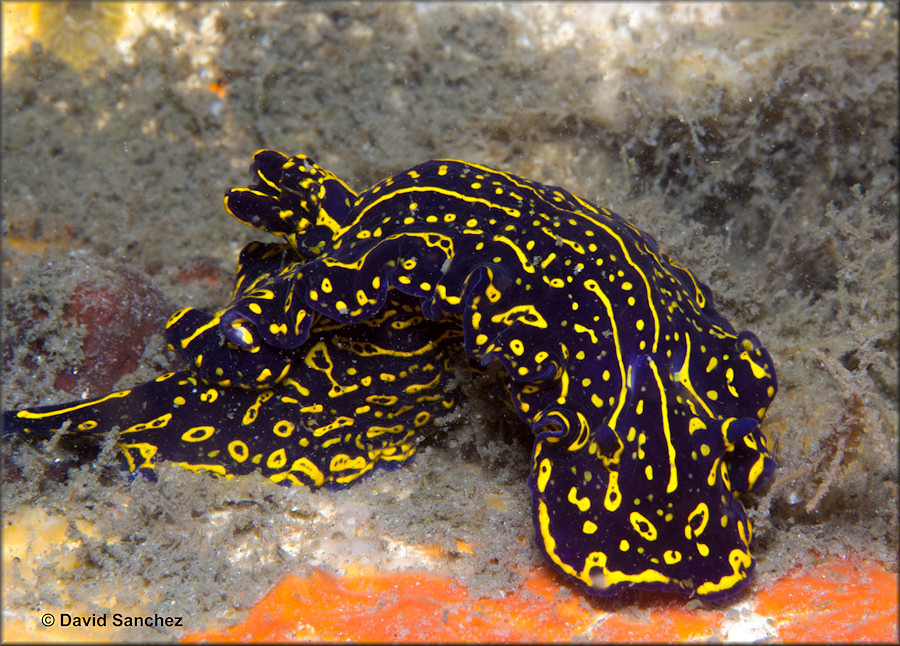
pixel 118 620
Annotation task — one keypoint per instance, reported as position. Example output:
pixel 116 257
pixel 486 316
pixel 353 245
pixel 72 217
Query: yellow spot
pixel 304 466
pixel 277 459
pixel 238 451
pixel 342 462
pixel 543 475
pixel 643 526
pixel 283 428
pixel 671 557
pixel 583 504
pixel 701 511
pixel 198 433
pixel 582 330
pixel 589 527
pixel 696 424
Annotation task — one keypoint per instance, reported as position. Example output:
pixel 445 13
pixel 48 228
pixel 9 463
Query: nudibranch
pixel 333 358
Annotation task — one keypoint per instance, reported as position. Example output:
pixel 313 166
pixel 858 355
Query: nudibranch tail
pixel 353 399
pixel 357 404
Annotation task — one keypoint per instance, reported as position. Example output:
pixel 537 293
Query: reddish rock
pixel 117 308
pixel 119 311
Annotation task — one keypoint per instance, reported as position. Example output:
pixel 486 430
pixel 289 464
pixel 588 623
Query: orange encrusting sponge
pixel 841 600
